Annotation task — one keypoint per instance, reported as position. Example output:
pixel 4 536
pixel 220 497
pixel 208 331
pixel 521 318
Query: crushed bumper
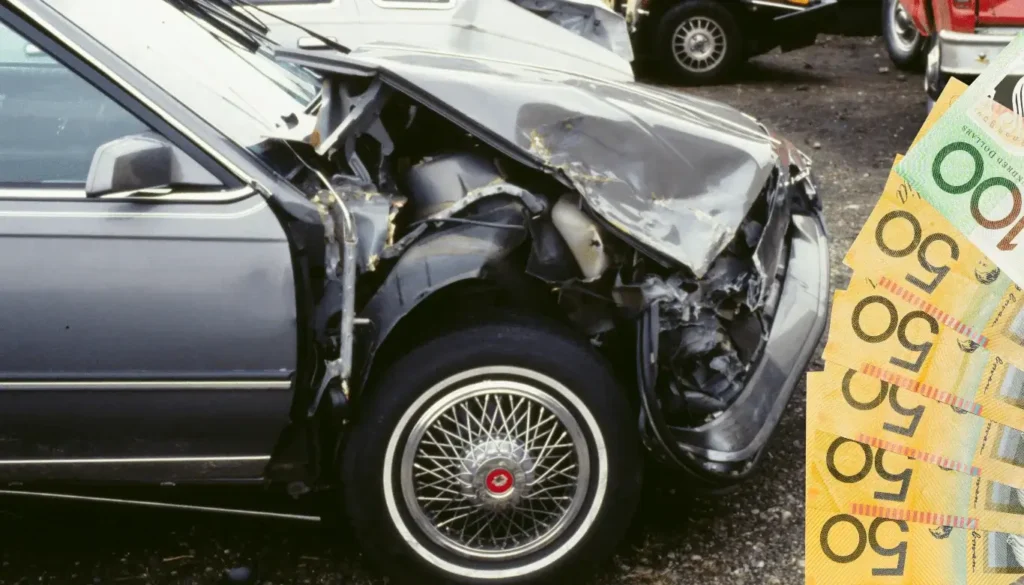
pixel 723 451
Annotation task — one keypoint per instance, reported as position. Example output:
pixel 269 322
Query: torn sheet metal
pixel 711 329
pixel 674 173
pixel 372 213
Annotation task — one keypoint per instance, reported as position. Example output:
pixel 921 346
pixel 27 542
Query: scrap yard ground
pixel 840 101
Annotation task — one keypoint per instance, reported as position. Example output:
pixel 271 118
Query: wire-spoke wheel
pixel 699 44
pixel 467 468
pixel 495 470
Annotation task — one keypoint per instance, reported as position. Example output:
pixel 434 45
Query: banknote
pixel 844 545
pixel 853 471
pixel 950 94
pixel 970 164
pixel 876 329
pixel 906 238
pixel 847 403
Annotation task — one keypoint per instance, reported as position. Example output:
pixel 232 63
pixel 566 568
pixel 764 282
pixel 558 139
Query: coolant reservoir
pixel 582 235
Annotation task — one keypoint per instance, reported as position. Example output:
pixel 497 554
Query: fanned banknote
pixel 915 453
pixel 847 403
pixel 853 471
pixel 879 331
pixel 970 165
pixel 907 244
pixel 862 543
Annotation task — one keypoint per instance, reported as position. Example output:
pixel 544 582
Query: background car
pixel 962 36
pixel 699 41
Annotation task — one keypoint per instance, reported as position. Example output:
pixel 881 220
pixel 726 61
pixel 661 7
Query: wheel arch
pixel 442 282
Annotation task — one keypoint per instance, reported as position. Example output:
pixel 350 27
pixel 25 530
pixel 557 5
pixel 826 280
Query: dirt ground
pixel 845 106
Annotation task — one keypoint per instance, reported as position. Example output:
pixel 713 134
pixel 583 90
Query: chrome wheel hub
pixel 699 44
pixel 495 470
pixel 497 474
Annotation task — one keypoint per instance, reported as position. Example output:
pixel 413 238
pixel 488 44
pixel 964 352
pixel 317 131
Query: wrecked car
pixel 459 303
pixel 577 35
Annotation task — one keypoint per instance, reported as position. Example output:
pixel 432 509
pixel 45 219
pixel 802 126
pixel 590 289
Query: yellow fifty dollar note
pixel 850 404
pixel 906 240
pixel 851 471
pixel 876 330
pixel 846 546
pixel 909 239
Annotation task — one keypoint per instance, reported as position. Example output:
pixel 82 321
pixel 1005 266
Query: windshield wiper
pixel 227 16
pixel 241 28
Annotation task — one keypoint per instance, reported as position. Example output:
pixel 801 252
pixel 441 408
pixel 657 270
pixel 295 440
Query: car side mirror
pixel 140 162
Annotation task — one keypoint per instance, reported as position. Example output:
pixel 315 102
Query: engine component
pixel 435 184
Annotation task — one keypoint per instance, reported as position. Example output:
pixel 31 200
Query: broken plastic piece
pixel 582 235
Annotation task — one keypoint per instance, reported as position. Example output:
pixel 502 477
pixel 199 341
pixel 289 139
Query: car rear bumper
pixel 968 54
pixel 724 450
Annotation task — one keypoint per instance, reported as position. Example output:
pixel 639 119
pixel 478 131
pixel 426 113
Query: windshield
pixel 244 94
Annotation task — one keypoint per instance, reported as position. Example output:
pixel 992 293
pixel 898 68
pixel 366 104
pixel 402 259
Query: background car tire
pixel 557 374
pixel 695 30
pixel 906 47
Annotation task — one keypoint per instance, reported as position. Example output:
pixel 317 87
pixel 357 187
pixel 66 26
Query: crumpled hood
pixel 675 173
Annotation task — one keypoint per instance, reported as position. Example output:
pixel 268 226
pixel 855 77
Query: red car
pixel 963 36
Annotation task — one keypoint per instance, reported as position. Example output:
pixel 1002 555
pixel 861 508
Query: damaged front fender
pixel 726 448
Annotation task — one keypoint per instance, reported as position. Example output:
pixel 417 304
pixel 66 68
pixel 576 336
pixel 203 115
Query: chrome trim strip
pixel 162 505
pixel 134 460
pixel 133 214
pixel 148 385
pixel 1011 31
pixel 778 5
pixel 9 193
pixel 131 90
pixel 975 39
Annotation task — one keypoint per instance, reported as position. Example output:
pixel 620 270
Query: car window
pixel 51 120
pixel 244 94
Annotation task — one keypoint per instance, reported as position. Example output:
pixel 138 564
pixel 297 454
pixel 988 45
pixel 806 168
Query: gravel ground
pixel 841 103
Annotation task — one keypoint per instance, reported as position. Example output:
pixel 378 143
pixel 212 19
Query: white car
pixel 583 36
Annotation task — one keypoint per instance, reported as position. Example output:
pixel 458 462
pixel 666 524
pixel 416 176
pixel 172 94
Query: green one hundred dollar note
pixel 970 165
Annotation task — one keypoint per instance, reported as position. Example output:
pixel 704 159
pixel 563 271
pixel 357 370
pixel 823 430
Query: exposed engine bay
pixel 423 216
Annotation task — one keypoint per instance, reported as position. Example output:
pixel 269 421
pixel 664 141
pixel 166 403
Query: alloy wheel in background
pixel 699 44
pixel 699 41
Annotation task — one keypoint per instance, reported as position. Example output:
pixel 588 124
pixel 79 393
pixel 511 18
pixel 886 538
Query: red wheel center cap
pixel 499 481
